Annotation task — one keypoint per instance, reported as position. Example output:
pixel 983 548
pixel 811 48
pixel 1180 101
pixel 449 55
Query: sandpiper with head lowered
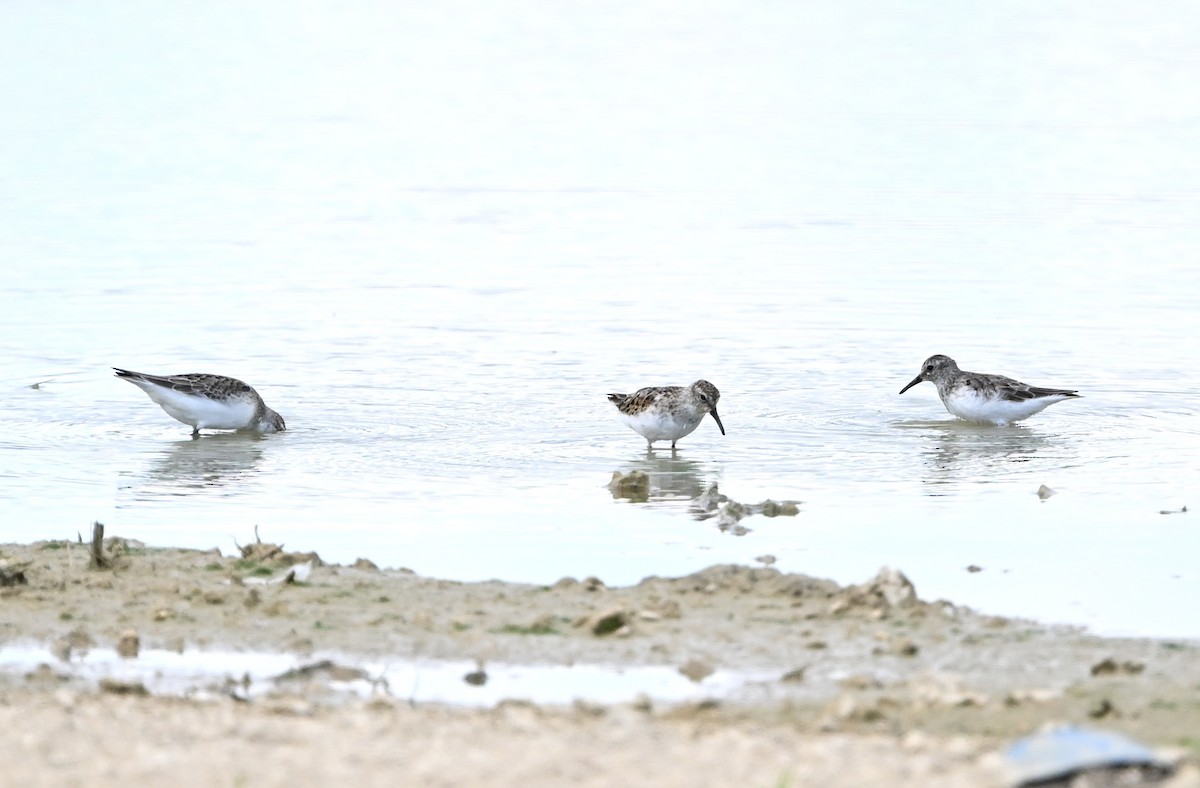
pixel 975 396
pixel 659 413
pixel 207 402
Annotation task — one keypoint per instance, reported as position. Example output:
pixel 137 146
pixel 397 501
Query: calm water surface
pixel 435 237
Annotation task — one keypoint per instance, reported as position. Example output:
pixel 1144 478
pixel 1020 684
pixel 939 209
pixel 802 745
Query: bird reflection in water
pixel 659 479
pixel 224 461
pixel 956 452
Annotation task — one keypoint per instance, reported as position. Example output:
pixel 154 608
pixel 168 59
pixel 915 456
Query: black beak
pixel 915 381
pixel 717 419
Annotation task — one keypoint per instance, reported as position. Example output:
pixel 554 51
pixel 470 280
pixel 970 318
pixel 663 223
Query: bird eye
pixel 704 398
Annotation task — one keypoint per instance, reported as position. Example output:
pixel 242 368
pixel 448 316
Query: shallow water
pixel 334 678
pixel 434 239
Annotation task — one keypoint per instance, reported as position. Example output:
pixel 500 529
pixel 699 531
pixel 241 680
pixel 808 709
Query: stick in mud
pixel 98 559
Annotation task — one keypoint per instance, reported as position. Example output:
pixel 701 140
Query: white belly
pixel 662 427
pixel 967 404
pixel 201 412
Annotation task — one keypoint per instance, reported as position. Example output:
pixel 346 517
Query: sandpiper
pixel 976 396
pixel 211 402
pixel 668 412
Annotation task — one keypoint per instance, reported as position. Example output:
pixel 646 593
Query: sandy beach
pixel 859 685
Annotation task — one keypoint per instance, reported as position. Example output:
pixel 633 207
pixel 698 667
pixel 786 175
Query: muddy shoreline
pixel 851 685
